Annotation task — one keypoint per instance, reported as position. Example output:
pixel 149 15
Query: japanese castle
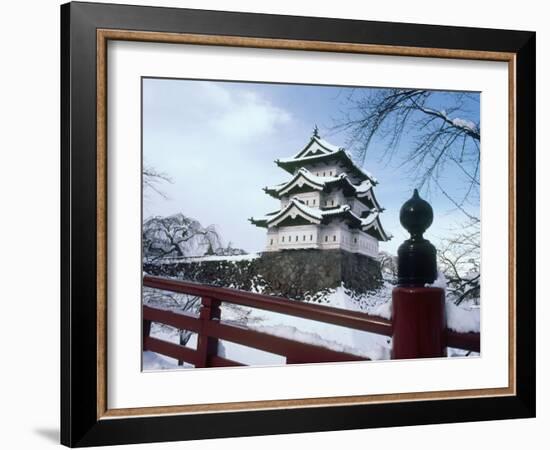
pixel 328 203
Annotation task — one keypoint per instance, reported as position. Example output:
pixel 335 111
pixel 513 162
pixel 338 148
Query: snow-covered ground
pixel 245 257
pixel 373 346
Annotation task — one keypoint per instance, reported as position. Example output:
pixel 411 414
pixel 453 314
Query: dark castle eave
pixel 290 165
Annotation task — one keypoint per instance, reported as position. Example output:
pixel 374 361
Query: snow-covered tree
pixel 388 266
pixel 459 258
pixel 177 236
pixel 229 250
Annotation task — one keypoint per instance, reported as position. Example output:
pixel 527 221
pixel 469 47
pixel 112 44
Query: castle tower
pixel 329 203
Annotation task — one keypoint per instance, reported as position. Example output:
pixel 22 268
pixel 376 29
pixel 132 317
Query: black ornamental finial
pixel 416 215
pixel 416 257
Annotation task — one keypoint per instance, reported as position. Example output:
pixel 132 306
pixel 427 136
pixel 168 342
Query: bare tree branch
pixel 151 178
pixel 441 137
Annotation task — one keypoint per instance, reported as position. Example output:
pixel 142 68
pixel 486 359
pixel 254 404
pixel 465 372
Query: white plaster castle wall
pixel 312 199
pixel 335 198
pixel 325 170
pixel 295 237
pixel 329 170
pixel 318 199
pixel 333 236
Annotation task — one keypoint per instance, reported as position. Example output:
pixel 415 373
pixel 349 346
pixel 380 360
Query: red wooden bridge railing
pixel 210 328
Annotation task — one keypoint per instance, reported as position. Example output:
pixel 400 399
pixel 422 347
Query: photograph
pixel 279 220
pixel 293 222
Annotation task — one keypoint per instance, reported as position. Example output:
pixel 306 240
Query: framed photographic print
pixel 277 224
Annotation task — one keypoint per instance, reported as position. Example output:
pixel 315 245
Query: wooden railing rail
pixel 209 331
pixel 210 328
pixel 463 341
pixel 327 314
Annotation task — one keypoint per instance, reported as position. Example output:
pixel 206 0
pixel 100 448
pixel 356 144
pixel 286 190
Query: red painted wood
pixel 418 316
pixel 212 330
pixel 218 361
pixel 350 319
pixel 297 352
pixel 172 350
pixel 464 341
pixel 180 320
pixel 146 330
pixel 207 344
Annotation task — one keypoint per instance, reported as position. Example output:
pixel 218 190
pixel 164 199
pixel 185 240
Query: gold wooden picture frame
pixel 87 418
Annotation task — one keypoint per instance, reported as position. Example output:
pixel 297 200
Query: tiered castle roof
pixel 353 182
pixel 305 180
pixel 318 151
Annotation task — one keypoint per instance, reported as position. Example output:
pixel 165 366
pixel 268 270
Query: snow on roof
pixel 307 158
pixel 303 172
pixel 320 182
pixel 338 210
pixel 315 157
pixel 365 224
pixel 268 218
pixel 364 187
pixel 325 147
pixel 313 212
pixel 373 220
pixel 369 220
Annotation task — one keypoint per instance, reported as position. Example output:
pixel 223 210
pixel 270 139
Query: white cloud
pixel 230 111
pixel 249 116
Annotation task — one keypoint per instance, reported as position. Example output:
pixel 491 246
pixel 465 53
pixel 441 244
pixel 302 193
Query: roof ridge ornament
pixel 316 132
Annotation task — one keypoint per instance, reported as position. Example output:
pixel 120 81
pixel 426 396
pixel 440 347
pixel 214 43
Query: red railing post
pixel 418 311
pixel 206 345
pixel 146 331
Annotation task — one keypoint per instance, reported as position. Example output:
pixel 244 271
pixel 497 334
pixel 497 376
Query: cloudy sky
pixel 217 142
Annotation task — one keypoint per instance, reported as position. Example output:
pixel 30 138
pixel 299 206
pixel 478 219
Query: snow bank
pixel 439 282
pixel 383 310
pixel 462 320
pixel 154 361
pixel 367 349
pixel 313 332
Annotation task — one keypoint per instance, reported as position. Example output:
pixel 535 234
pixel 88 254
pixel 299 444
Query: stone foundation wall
pixel 291 274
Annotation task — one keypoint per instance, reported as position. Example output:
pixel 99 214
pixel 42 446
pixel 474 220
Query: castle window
pixel 332 203
pixel 307 202
pixel 296 238
pixel 334 238
pixel 304 237
pixel 330 173
pixel 314 201
pixel 311 237
pixel 271 242
pixel 355 240
pixel 326 238
pixel 283 239
pixel 324 174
